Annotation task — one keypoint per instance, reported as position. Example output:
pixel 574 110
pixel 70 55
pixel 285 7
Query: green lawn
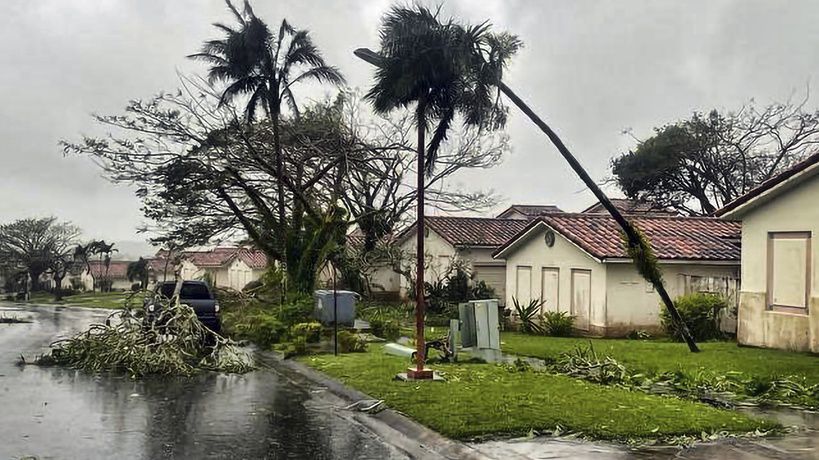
pixel 652 356
pixel 85 299
pixel 483 399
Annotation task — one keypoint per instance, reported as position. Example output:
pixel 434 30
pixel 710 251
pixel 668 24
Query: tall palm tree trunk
pixel 277 147
pixel 628 229
pixel 420 304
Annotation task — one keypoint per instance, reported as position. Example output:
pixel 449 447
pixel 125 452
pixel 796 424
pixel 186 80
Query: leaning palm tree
pixel 264 67
pixel 491 54
pixel 428 64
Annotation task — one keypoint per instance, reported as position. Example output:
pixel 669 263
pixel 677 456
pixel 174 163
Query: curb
pixel 414 439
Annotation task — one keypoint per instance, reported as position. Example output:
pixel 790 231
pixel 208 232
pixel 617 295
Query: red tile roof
pixel 627 206
pixel 769 184
pixel 530 210
pixel 472 231
pixel 216 257
pixel 672 237
pixel 118 269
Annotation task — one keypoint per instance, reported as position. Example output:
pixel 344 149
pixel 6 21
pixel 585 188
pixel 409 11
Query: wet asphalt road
pixel 60 413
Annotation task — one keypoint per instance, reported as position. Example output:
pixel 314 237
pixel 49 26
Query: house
pixel 576 263
pixel 116 273
pixel 527 211
pixel 632 207
pixel 382 280
pixel 779 300
pixel 471 240
pixel 225 267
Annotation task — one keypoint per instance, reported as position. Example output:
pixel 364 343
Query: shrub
pixel 386 329
pixel 481 291
pixel 638 334
pixel 528 315
pixel 349 342
pixel 310 332
pixel 298 346
pixel 136 287
pixel 700 312
pixel 296 310
pixel 260 327
pixel 557 323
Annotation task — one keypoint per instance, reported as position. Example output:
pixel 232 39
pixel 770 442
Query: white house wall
pixel 632 303
pixel 793 211
pixel 438 251
pixel 565 257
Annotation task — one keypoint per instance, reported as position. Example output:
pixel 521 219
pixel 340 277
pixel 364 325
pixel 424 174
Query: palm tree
pixel 429 65
pixel 255 63
pixel 138 271
pixel 491 54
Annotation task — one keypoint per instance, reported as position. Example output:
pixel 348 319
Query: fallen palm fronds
pixel 176 342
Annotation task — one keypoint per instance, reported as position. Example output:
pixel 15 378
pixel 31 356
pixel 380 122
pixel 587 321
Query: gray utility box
pixel 346 307
pixel 480 328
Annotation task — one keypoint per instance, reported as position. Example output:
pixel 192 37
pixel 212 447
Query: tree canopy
pixel 697 165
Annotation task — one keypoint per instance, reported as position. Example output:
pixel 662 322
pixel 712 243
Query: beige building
pixel 780 290
pixel 576 263
pixel 225 267
pixel 116 273
pixel 471 240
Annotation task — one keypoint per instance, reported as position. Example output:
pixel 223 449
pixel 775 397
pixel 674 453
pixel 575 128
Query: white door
pixel 581 298
pixel 523 285
pixel 549 282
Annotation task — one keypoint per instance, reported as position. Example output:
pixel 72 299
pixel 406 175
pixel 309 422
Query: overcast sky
pixel 590 68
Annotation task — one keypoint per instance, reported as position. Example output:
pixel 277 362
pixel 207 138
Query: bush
pixel 136 287
pixel 481 291
pixel 349 342
pixel 298 309
pixel 386 329
pixel 261 327
pixel 557 323
pixel 298 346
pixel 310 332
pixel 700 312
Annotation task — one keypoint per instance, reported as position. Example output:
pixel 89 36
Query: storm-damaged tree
pixel 426 65
pixel 263 67
pixel 33 245
pixel 698 165
pixel 491 53
pixel 205 174
pixel 138 272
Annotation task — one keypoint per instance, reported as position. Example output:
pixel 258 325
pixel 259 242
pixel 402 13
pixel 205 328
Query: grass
pixel 490 399
pixel 85 299
pixel 658 356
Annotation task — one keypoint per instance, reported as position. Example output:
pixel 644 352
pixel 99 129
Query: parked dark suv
pixel 196 294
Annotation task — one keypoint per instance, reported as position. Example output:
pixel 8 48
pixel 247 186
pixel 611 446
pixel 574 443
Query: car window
pixel 194 291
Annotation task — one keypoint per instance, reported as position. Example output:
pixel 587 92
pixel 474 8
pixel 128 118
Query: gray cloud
pixel 591 68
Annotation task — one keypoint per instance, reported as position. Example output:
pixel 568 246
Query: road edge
pixel 417 440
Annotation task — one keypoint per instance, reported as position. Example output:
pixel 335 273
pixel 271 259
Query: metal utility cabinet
pixel 480 328
pixel 325 313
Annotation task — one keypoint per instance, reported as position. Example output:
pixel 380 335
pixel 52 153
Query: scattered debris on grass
pixel 718 390
pixel 176 343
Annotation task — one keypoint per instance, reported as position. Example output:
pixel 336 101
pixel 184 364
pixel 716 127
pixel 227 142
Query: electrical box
pixel 326 314
pixel 480 328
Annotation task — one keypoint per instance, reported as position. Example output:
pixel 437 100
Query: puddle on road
pixel 52 412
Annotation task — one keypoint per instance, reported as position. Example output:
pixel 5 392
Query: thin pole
pixel 335 314
pixel 420 349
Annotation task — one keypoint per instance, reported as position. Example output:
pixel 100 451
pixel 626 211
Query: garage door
pixel 495 277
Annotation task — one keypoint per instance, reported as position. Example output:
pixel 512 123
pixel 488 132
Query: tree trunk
pixel 628 229
pixel 58 288
pixel 35 279
pixel 420 343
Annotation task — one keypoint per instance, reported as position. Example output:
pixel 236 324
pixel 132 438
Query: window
pixel 789 270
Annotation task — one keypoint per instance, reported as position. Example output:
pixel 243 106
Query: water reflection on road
pixel 60 413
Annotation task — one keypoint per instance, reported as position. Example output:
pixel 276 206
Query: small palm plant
pixel 529 315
